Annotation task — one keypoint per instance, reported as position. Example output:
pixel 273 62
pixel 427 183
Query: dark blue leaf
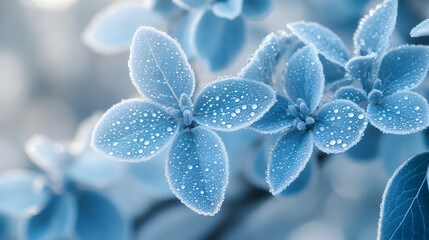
pixel 56 221
pixel 405 206
pixel 99 218
pixel 324 40
pixel 404 68
pixel 288 159
pixel 421 30
pixel 159 68
pixel 257 9
pixel 339 126
pixel 304 77
pixel 213 33
pixel 277 119
pixel 368 147
pixel 197 170
pixel 375 29
pixel 333 72
pixel 404 112
pixel 231 104
pixel 354 94
pixel 229 9
pixel 6 227
pixel 360 68
pixel 112 30
pixel 134 130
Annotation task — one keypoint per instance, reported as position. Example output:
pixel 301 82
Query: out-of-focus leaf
pixel 421 30
pixel 190 4
pixel 229 9
pixel 368 147
pixel 45 154
pixel 257 9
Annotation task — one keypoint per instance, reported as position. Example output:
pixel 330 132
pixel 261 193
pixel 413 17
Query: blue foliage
pixel 421 30
pixel 257 9
pixel 353 94
pixel 405 202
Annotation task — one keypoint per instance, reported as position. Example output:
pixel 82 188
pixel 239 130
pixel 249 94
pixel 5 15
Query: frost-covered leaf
pixel 368 147
pixel 375 29
pixel 304 77
pixel 361 67
pixel 56 221
pixel 404 68
pixel 288 159
pixel 404 112
pixel 229 9
pixel 22 193
pixel 112 30
pixel 277 119
pixel 300 183
pixel 99 218
pixel 159 68
pixel 354 94
pixel 405 206
pixel 421 30
pixel 192 4
pixel 262 65
pixel 324 40
pixel 396 149
pixel 257 9
pixel 45 154
pixel 134 130
pixel 231 104
pixel 197 170
pixel 339 126
pixel 212 33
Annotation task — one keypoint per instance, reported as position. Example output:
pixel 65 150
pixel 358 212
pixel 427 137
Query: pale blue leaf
pixel 197 170
pixel 212 33
pixel 112 30
pixel 277 119
pixel 262 65
pixel 23 193
pixel 231 104
pixel 159 68
pixel 368 147
pixel 375 29
pixel 404 112
pixel 288 159
pixel 339 126
pixel 332 71
pixel 396 149
pixel 45 154
pixel 354 94
pixel 304 77
pixel 192 4
pixel 421 30
pixel 360 68
pixel 134 130
pixel 94 169
pixel 82 139
pixel 180 29
pixel 300 183
pixel 257 9
pixel 404 68
pixel 324 40
pixel 56 221
pixel 405 202
pixel 229 9
pixel 99 218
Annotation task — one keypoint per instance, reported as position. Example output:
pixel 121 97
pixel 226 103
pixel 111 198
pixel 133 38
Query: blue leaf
pixel 360 68
pixel 324 40
pixel 56 221
pixel 304 77
pixel 375 29
pixel 421 30
pixel 212 33
pixel 82 139
pixel 404 112
pixel 192 4
pixel 396 149
pixel 288 159
pixel 23 193
pixel 339 126
pixel 354 94
pixel 277 119
pixel 134 130
pixel 405 202
pixel 368 147
pixel 229 9
pixel 197 170
pixel 165 7
pixel 231 104
pixel 333 72
pixel 45 154
pixel 5 227
pixel 98 218
pixel 262 65
pixel 159 68
pixel 257 9
pixel 404 68
pixel 300 183
pixel 112 30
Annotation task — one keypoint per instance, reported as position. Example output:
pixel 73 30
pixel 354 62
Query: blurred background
pixel 50 81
